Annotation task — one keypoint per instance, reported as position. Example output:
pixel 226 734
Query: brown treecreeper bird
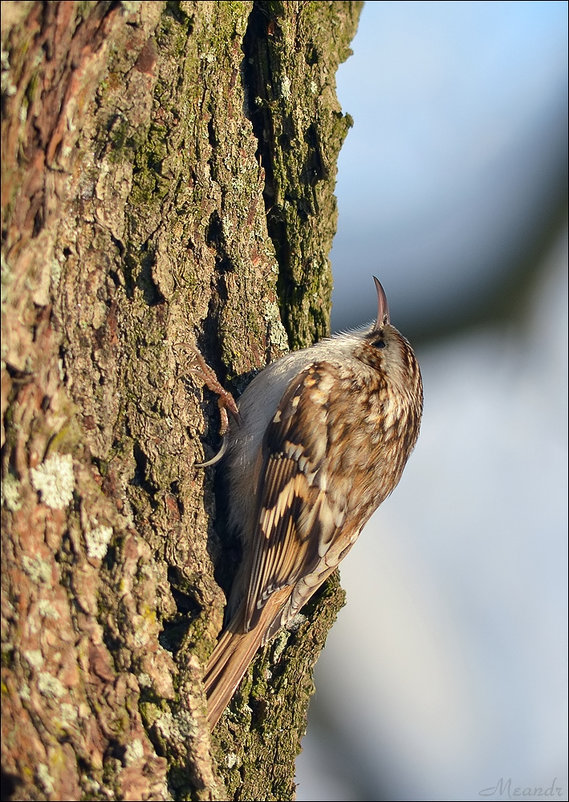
pixel 320 439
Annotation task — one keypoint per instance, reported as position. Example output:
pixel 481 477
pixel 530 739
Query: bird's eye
pixel 379 343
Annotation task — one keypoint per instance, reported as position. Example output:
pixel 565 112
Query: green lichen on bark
pixel 294 50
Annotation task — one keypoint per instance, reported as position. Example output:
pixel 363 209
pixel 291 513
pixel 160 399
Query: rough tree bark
pixel 167 178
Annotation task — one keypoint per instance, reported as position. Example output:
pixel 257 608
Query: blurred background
pixel 445 676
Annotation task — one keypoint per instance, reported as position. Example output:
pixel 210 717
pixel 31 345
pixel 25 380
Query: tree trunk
pixel 167 180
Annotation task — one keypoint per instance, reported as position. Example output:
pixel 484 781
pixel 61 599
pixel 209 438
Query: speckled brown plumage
pixel 322 438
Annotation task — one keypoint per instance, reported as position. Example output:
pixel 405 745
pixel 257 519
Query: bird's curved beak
pixel 382 306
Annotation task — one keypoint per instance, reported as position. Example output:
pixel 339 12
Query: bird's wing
pixel 298 517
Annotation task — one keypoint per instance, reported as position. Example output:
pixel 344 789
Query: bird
pixel 316 443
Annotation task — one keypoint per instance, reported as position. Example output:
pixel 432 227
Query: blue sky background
pixel 460 121
pixel 446 673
